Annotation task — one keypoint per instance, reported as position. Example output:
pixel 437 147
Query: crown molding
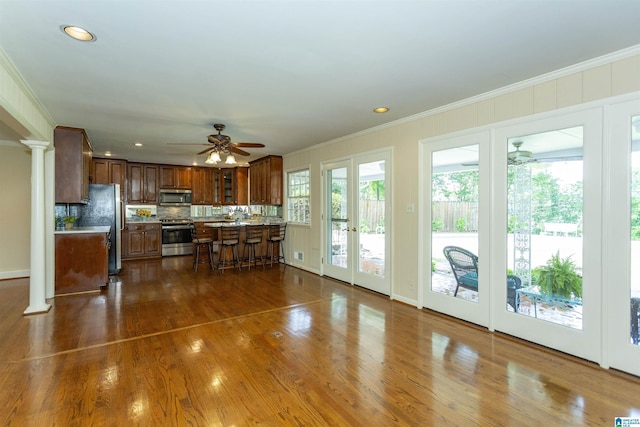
pixel 553 75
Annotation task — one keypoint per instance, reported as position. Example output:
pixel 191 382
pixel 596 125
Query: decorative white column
pixel 37 300
pixel 49 222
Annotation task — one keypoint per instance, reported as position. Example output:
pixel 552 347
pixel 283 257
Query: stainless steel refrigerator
pixel 105 208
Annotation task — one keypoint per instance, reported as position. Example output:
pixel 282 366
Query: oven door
pixel 176 240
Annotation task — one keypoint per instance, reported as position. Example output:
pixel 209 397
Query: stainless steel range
pixel 176 236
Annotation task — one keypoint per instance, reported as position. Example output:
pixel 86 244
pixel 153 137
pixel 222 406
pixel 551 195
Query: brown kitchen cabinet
pixel 142 183
pixel 81 262
pixel 266 176
pixel 234 186
pixel 142 240
pixel 110 171
pixel 73 164
pixel 175 177
pixel 202 186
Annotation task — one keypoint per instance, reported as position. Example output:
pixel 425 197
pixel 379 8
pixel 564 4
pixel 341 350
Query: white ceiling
pixel 288 74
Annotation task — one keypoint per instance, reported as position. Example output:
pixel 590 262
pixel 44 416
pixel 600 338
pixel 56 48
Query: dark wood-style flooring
pixel 280 346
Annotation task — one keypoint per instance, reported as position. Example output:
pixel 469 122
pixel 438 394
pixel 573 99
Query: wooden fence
pixel 455 216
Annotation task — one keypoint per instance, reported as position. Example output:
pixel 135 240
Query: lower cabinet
pixel 142 240
pixel 82 262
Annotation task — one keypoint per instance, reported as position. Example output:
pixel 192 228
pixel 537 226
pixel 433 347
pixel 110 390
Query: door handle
pixel 354 229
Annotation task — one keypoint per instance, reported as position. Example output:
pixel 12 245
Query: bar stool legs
pixel 198 243
pixel 276 241
pixel 253 238
pixel 229 240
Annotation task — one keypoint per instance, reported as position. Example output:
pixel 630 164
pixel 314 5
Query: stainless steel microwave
pixel 175 197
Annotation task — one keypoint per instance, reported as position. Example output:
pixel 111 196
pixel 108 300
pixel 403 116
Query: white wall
pixel 21 118
pixel 601 78
pixel 15 214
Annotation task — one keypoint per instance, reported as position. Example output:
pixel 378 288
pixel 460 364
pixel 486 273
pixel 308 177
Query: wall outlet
pixel 410 208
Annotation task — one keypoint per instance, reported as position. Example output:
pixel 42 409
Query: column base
pixel 32 309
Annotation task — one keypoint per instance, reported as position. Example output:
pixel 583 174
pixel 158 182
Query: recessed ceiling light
pixel 107 153
pixel 78 33
pixel 138 144
pixel 380 110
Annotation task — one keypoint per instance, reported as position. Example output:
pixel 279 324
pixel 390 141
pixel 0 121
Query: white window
pixel 298 196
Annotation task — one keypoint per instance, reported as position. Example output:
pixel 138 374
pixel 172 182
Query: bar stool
pixel 275 240
pixel 198 243
pixel 229 239
pixel 252 239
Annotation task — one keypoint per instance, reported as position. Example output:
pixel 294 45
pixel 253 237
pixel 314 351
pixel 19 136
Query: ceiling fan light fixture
pixel 231 160
pixel 213 158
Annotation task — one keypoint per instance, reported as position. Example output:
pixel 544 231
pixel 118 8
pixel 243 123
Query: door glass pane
pixel 635 230
pixel 339 220
pixel 371 224
pixel 544 226
pixel 454 228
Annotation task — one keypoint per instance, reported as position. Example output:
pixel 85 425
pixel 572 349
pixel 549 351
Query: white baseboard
pixel 405 300
pixel 16 274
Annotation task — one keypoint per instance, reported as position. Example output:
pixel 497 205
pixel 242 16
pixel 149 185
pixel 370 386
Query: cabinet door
pixel 73 164
pixel 135 243
pixel 135 173
pixel 86 166
pixel 183 178
pixel 150 183
pixel 100 171
pixel 153 240
pixel 217 187
pixel 241 186
pixel 167 177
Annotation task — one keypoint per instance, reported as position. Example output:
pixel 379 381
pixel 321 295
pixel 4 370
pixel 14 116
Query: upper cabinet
pixel 143 183
pixel 202 190
pixel 266 181
pixel 110 171
pixel 234 186
pixel 175 177
pixel 73 164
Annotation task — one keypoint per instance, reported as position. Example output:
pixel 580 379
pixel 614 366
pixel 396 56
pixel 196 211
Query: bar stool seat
pixel 229 240
pixel 252 239
pixel 200 242
pixel 275 241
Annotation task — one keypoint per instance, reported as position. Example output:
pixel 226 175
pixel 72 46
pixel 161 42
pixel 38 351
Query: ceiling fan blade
pixel 247 144
pixel 239 151
pixel 206 150
pixel 189 144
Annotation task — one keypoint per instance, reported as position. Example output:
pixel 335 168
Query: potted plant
pixel 559 277
pixel 68 221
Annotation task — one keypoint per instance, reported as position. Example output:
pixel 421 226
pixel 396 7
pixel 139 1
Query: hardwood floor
pixel 280 346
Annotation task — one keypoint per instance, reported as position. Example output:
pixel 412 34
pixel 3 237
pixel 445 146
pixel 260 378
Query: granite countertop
pixel 137 220
pixel 233 223
pixel 85 230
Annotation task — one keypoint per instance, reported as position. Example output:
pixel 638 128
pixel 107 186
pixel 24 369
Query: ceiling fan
pixel 221 144
pixel 517 157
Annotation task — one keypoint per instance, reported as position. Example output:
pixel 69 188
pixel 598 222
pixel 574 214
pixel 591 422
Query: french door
pixel 548 232
pixel 456 190
pixel 357 218
pixel 623 243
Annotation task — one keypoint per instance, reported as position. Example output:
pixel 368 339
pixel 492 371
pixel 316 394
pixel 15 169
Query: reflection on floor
pixel 442 281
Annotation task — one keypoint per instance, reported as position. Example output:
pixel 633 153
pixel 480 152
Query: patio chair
pixel 464 265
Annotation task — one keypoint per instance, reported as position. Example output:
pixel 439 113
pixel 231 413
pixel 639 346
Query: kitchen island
pixel 82 259
pixel 263 247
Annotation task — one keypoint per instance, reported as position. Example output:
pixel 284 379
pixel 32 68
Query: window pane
pixel 454 228
pixel 635 231
pixel 544 226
